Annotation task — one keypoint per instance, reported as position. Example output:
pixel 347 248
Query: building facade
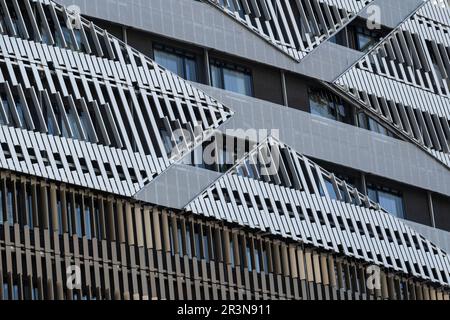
pixel 224 149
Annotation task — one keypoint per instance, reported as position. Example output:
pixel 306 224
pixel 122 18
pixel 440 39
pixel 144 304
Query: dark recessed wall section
pixel 141 41
pixel 112 28
pixel 416 206
pixel 297 92
pixel 349 175
pixel 441 207
pixel 415 201
pixel 267 83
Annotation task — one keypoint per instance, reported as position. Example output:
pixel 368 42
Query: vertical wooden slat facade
pixel 128 250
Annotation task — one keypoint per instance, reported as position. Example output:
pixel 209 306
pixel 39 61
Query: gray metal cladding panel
pixel 177 186
pixel 329 61
pixel 437 236
pixel 394 12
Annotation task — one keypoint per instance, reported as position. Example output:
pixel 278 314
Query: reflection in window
pixel 390 200
pixel 330 189
pixel 330 106
pixel 206 247
pixel 365 39
pixel 78 219
pixel 231 77
pixel 249 257
pixel 188 241
pixel 29 208
pixel 366 122
pixel 232 252
pixel 178 62
pixel 197 239
pixel 10 215
pixel 87 222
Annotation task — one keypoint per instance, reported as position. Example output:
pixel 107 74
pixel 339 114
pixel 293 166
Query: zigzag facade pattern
pixel 84 118
pixel 405 80
pixel 295 27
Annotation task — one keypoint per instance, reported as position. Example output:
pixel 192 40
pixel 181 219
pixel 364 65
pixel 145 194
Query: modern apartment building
pixel 224 149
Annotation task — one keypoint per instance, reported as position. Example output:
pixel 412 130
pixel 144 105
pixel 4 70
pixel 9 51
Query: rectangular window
pixel 249 257
pixel 330 188
pixel 176 61
pixel 10 215
pixel 390 200
pixel 180 239
pixel 172 245
pixel 257 260
pixel 231 77
pixel 98 225
pixel 206 247
pixel 330 106
pixel 188 240
pixel 69 215
pixel 29 205
pixel 366 39
pixel 5 291
pixel 78 218
pixel 366 122
pixel 232 251
pixel 197 238
pixel 87 222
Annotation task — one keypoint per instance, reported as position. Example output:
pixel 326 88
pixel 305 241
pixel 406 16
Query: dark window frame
pixel 184 55
pixel 230 66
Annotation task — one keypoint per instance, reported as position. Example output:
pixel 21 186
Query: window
pixel 249 257
pixel 78 218
pixel 188 240
pixel 180 63
pixel 366 122
pixel 330 189
pixel 365 39
pixel 390 200
pixel 87 222
pixel 29 208
pixel 97 220
pixel 232 251
pixel 231 77
pixel 329 106
pixel 206 247
pixel 10 206
pixel 197 239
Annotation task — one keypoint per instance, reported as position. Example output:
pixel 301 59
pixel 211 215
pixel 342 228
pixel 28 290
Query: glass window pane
pixel 191 69
pixel 236 81
pixel 372 194
pixel 392 203
pixel 216 77
pixel 170 61
pixel 321 107
pixel 330 189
